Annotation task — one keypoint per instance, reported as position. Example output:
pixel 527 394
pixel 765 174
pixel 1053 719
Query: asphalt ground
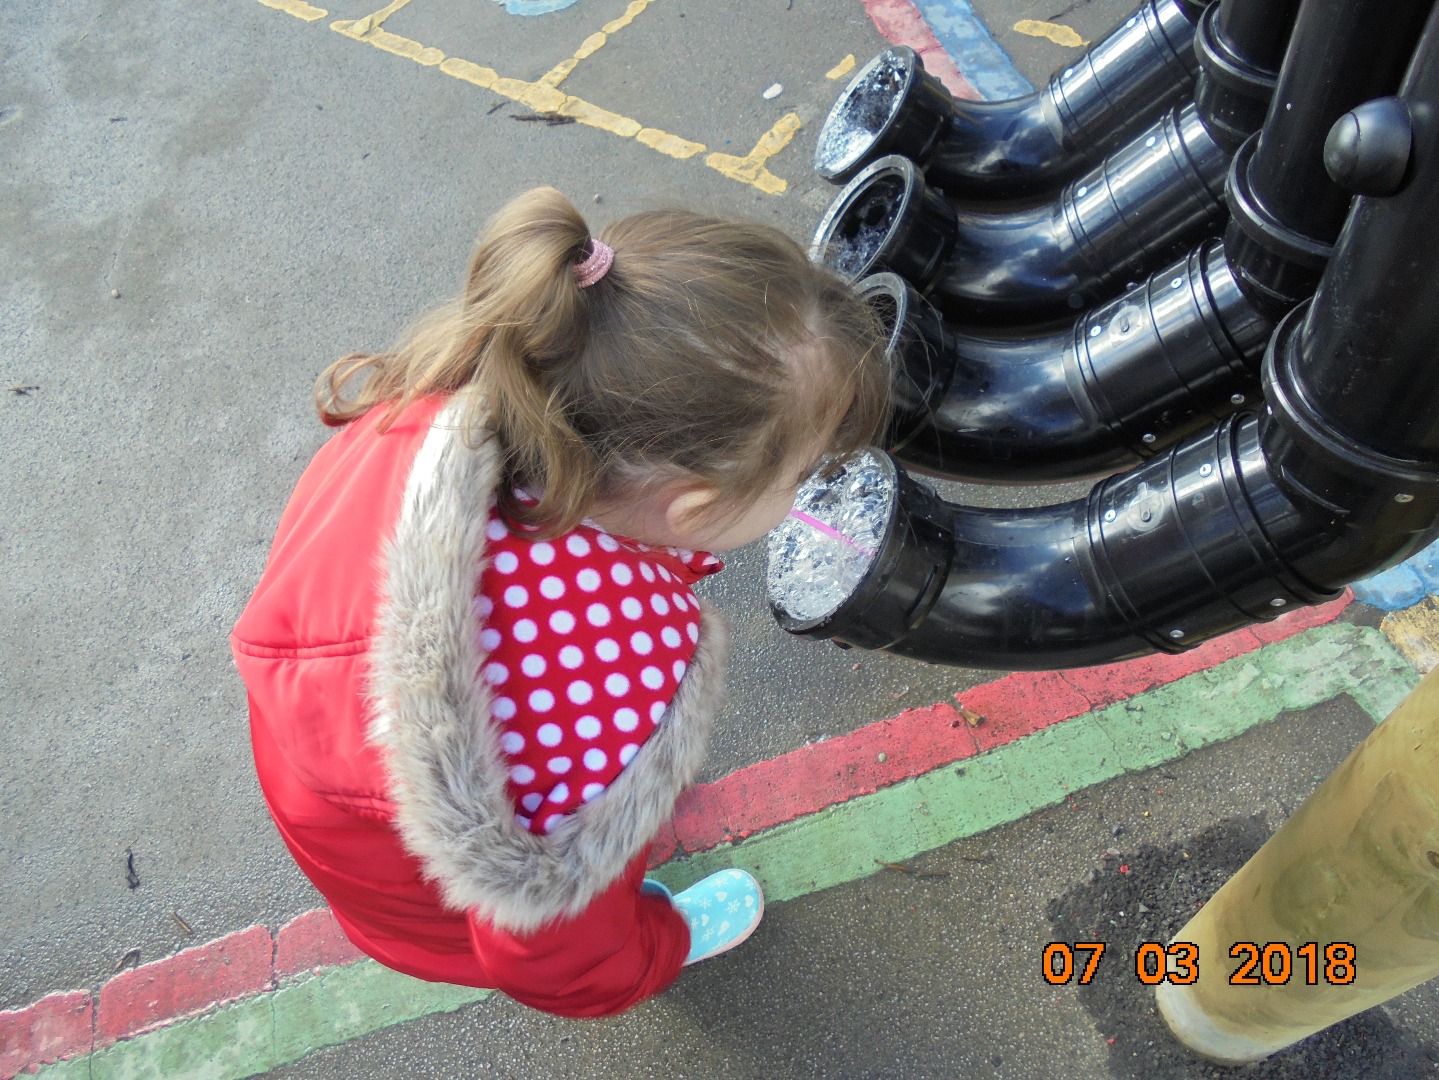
pixel 265 193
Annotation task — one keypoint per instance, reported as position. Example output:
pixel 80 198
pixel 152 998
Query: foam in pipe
pixel 824 549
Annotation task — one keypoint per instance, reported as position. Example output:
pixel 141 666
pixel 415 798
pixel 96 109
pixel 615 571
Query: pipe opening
pixel 858 234
pixel 824 550
pixel 862 114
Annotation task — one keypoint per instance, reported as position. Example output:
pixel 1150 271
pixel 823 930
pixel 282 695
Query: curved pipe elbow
pixel 1124 382
pixel 893 106
pixel 1021 595
pixel 983 268
pixel 965 586
pixel 1187 546
pixel 1143 205
pixel 983 409
pixel 1023 147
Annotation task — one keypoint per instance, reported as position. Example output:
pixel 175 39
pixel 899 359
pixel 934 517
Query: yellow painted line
pixel 669 144
pixel 368 30
pixel 543 96
pixel 1415 633
pixel 297 8
pixel 369 22
pixel 750 169
pixel 593 44
pixel 594 116
pixel 470 72
pixel 546 99
pixel 1055 32
pixel 843 68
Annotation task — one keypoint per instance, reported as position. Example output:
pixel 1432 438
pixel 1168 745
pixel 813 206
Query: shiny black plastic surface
pixel 1145 204
pixel 1367 350
pixel 1368 150
pixel 1025 146
pixel 1162 557
pixel 1120 385
pixel 1286 212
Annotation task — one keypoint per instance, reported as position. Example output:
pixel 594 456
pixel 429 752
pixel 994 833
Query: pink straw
pixel 831 532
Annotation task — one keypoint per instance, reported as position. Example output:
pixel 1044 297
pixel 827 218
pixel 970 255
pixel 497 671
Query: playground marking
pixel 297 8
pixel 851 840
pixel 545 96
pixel 815 777
pixel 963 35
pixel 592 44
pixel 1403 585
pixel 1055 32
pixel 901 22
pixel 534 7
pixel 750 169
pixel 368 29
pixel 1415 633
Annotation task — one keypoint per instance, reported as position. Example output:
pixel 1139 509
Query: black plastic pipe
pixel 1352 380
pixel 1145 204
pixel 1338 479
pixel 1156 559
pixel 1123 383
pixel 1240 44
pixel 1285 211
pixel 1025 146
pixel 1143 371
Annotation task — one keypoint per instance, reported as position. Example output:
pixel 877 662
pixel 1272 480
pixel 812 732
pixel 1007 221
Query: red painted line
pixel 1021 704
pixel 900 22
pixel 312 941
pixel 1017 705
pixel 1303 619
pixel 757 797
pixel 191 981
pixel 821 774
pixel 57 1026
pixel 664 845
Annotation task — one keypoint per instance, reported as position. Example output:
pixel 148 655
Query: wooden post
pixel 1338 912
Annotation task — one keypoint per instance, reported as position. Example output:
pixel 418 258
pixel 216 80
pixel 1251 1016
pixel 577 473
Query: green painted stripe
pixel 844 842
pixel 828 848
pixel 263 1032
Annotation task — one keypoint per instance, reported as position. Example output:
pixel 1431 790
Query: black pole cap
pixel 1368 148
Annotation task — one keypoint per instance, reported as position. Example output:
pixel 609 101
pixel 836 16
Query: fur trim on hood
pixel 432 716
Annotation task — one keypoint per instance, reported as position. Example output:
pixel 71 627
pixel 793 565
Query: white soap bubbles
pixel 824 549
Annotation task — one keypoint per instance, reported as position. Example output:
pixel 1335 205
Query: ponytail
pixel 709 348
pixel 503 344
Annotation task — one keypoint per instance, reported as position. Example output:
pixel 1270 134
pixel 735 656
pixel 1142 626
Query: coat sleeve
pixel 624 947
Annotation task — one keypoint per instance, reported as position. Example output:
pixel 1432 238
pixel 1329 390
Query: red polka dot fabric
pixel 587 638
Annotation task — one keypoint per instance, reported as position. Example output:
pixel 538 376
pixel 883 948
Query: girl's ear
pixel 686 513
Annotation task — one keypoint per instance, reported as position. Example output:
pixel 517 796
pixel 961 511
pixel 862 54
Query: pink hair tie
pixel 595 265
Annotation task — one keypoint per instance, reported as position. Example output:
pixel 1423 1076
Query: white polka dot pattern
pixel 587 638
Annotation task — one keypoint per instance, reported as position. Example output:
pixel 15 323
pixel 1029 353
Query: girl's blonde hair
pixel 712 348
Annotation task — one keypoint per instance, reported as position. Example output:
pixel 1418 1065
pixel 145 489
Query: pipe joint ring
pixel 1260 227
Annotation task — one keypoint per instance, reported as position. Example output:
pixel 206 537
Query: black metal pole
pixel 1285 210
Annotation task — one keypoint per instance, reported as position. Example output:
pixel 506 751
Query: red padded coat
pixel 371 724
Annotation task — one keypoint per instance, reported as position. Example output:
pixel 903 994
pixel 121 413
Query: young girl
pixel 478 678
